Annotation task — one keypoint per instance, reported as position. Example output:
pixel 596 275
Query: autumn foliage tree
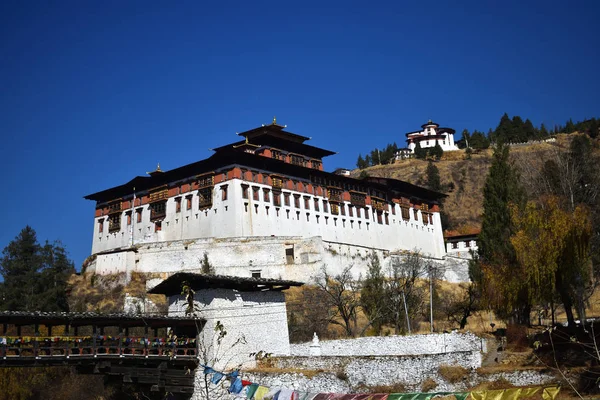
pixel 552 247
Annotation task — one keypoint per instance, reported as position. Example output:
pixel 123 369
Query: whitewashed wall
pixel 267 255
pixel 258 317
pixel 434 343
pixel 238 217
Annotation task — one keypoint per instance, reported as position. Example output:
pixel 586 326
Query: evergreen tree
pixel 34 276
pixel 503 130
pixel 433 177
pixel 502 190
pixel 368 161
pixel 420 152
pixel 517 132
pixel 361 163
pixel 437 152
pixel 569 126
pixel 372 294
pixel 529 131
pixel 543 131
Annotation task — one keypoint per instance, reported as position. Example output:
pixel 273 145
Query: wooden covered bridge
pixel 156 351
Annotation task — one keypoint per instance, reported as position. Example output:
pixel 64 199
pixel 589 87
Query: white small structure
pixel 430 135
pixel 251 310
pixel 461 245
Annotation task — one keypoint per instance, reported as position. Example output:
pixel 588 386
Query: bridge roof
pixel 91 318
pixel 172 285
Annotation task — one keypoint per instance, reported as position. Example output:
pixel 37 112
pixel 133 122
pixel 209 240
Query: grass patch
pixel 309 373
pixel 428 385
pixel 453 373
pixel 395 388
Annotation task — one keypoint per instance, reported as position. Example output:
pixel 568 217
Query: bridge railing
pixel 96 346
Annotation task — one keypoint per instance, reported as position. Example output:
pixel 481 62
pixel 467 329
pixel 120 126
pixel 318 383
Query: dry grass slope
pixel 464 179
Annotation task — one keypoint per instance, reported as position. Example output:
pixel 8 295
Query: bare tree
pixel 343 298
pixel 404 298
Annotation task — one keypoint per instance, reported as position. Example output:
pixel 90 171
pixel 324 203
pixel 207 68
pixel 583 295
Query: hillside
pixel 464 179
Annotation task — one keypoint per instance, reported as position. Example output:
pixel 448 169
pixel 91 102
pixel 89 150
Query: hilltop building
pixel 261 207
pixel 431 134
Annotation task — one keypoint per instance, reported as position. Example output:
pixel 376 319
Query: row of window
pixel 358 203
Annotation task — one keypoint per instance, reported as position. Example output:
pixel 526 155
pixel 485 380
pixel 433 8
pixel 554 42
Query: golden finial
pixel 274 120
pixel 246 139
pixel 158 167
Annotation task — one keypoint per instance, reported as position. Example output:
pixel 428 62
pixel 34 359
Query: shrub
pixel 453 373
pixel 428 385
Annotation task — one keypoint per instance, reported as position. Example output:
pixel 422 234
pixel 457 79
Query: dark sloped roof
pixel 275 130
pixel 91 318
pixel 229 156
pixel 280 143
pixel 173 284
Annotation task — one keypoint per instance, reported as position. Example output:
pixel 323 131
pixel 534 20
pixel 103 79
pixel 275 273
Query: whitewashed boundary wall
pixel 396 345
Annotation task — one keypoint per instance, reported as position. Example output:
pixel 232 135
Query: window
pixel 366 213
pixel 205 197
pixel 316 204
pixel 335 209
pixel 379 217
pixel 416 214
pixel 297 200
pixel 430 218
pixel 114 207
pixel 188 202
pixel 101 225
pixel 306 203
pixel 334 195
pixel 276 155
pixel 255 194
pixel 358 199
pixel 245 191
pixel 286 199
pixel 298 160
pixel 177 205
pixel 255 274
pixel 350 211
pixel 342 209
pixel 455 245
pixel 158 210
pixel 315 164
pixel 467 243
pixel 387 219
pixel 128 217
pixel 114 223
pixel 266 195
pixel 138 215
pixel 224 192
pixel 324 205
pixel 206 180
pixel 277 199
pixel 289 255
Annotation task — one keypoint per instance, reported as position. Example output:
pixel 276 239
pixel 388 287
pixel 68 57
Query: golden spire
pixel 246 139
pixel 274 121
pixel 158 167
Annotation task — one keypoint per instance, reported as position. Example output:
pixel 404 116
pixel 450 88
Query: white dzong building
pixel 261 207
pixel 430 135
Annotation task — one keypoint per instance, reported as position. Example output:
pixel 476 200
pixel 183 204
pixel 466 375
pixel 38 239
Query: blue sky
pixel 95 93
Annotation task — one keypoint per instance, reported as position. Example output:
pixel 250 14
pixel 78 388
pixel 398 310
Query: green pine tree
pixel 420 152
pixel 433 177
pixel 372 294
pixel 34 276
pixel 502 188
